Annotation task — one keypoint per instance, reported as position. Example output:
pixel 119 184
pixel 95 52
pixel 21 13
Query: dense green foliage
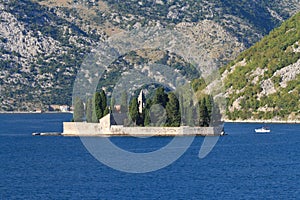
pixel 173 111
pixel 134 110
pixel 147 118
pixel 168 109
pixel 272 53
pixel 163 109
pixel 160 97
pixel 97 102
pixel 103 104
pixel 205 110
pixel 153 113
pixel 124 104
pixel 112 104
pixel 78 115
pixel 96 107
pixel 89 110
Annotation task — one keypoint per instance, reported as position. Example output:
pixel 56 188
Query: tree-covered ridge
pixel 264 81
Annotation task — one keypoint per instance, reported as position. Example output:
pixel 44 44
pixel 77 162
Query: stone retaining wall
pixel 94 129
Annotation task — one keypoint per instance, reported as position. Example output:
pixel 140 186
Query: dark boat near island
pixel 223 132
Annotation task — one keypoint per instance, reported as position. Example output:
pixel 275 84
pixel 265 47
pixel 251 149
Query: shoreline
pixel 264 121
pixel 102 129
pixel 225 121
pixel 25 112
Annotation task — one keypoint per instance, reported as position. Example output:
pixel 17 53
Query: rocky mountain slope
pixel 43 43
pixel 264 81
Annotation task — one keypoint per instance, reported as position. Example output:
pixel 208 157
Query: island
pixel 161 115
pixel 107 127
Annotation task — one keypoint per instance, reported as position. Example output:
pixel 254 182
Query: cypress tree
pixel 216 117
pixel 134 110
pixel 106 111
pixel 189 116
pixel 94 115
pixel 158 115
pixel 146 112
pixel 148 104
pixel 78 114
pixel 103 103
pixel 97 107
pixel 173 111
pixel 209 104
pixel 160 97
pixel 203 113
pixel 112 104
pixel 147 119
pixel 189 113
pixel 124 105
pixel 89 110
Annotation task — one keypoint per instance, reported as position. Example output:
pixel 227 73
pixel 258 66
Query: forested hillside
pixel 264 81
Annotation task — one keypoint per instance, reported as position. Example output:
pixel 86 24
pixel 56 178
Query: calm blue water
pixel 242 165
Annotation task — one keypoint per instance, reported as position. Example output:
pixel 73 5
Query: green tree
pixel 146 112
pixel 95 119
pixel 112 104
pixel 160 97
pixel 97 107
pixel 134 110
pixel 147 119
pixel 78 114
pixel 216 117
pixel 209 104
pixel 189 116
pixel 124 105
pixel 89 110
pixel 173 111
pixel 103 103
pixel 106 111
pixel 204 118
pixel 158 115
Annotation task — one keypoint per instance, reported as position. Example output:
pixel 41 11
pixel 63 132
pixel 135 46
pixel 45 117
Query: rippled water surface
pixel 242 165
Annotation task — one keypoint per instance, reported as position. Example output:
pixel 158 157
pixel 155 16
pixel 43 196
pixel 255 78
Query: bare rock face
pixel 236 105
pixel 23 41
pixel 38 66
pixel 30 60
pixel 267 87
pixel 213 41
pixel 288 73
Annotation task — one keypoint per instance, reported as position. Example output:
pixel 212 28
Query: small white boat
pixel 263 130
pixel 46 134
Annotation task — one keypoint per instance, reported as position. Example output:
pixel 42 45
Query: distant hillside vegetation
pixel 264 81
pixel 44 42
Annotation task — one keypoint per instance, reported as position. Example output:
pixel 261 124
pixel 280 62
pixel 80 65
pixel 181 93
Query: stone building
pixel 141 101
